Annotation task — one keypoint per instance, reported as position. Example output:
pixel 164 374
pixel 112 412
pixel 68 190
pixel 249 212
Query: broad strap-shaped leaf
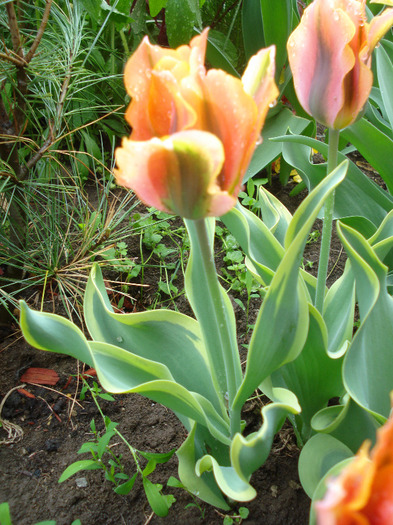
pixel 357 196
pixel 385 81
pixel 256 240
pixel 164 336
pixel 119 371
pixel 381 240
pixel 317 457
pixel 249 453
pixel 373 144
pixel 368 365
pixel 338 313
pixel 203 487
pixel 313 376
pixel 276 125
pixel 274 214
pixel 282 324
pixel 347 422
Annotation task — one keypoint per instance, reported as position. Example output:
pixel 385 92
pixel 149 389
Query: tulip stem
pixel 327 227
pixel 213 311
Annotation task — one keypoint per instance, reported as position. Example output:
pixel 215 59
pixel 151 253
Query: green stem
pixel 214 313
pixel 327 228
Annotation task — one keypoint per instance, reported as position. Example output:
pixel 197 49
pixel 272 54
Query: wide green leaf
pixel 204 487
pixel 357 196
pixel 277 124
pixel 385 81
pixel 373 144
pixel 249 453
pixel 277 26
pixel 317 457
pixel 282 324
pixel 313 376
pixel 368 365
pixel 256 240
pixel 164 336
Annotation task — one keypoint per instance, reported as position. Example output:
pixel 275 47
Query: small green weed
pixel 102 457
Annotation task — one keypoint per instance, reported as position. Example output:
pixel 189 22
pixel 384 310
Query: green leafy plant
pixel 103 458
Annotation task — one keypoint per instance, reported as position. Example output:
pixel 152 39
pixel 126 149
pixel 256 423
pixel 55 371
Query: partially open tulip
pixel 330 58
pixel 363 493
pixel 172 93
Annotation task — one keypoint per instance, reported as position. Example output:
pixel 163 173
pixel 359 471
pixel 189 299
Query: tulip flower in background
pixel 178 112
pixel 363 493
pixel 330 58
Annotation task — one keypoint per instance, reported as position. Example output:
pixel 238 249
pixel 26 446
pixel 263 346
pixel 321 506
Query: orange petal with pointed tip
pixel 379 26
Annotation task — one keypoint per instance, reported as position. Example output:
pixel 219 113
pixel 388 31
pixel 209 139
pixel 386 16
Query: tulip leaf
pixel 248 454
pixel 277 25
pixel 203 487
pixel 313 376
pixel 282 324
pixel 348 423
pixel 385 81
pixel 119 371
pixel 338 313
pixel 373 145
pixel 317 457
pixel 180 346
pixel 370 353
pixel 53 333
pixel 274 214
pixel 261 247
pixel 275 126
pixel 357 196
pixel 253 38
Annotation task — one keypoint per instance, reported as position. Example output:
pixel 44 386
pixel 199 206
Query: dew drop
pixel 119 339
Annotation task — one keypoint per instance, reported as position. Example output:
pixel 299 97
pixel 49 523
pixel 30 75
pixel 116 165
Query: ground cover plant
pixel 194 132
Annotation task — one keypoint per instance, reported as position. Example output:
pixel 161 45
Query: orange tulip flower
pixel 172 96
pixel 363 493
pixel 330 58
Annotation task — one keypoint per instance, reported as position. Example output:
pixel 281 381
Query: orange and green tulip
pixel 363 493
pixel 330 58
pixel 173 93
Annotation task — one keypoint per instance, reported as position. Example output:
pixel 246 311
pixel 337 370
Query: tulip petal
pixel 379 26
pixel 152 77
pixel 176 174
pixel 320 58
pixel 232 115
pixel 258 78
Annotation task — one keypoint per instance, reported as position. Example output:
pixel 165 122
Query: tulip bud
pixel 330 58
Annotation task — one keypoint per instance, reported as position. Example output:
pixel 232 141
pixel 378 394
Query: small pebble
pixel 81 482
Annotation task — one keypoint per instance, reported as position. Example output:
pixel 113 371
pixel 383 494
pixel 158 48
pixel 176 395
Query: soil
pixel 55 423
